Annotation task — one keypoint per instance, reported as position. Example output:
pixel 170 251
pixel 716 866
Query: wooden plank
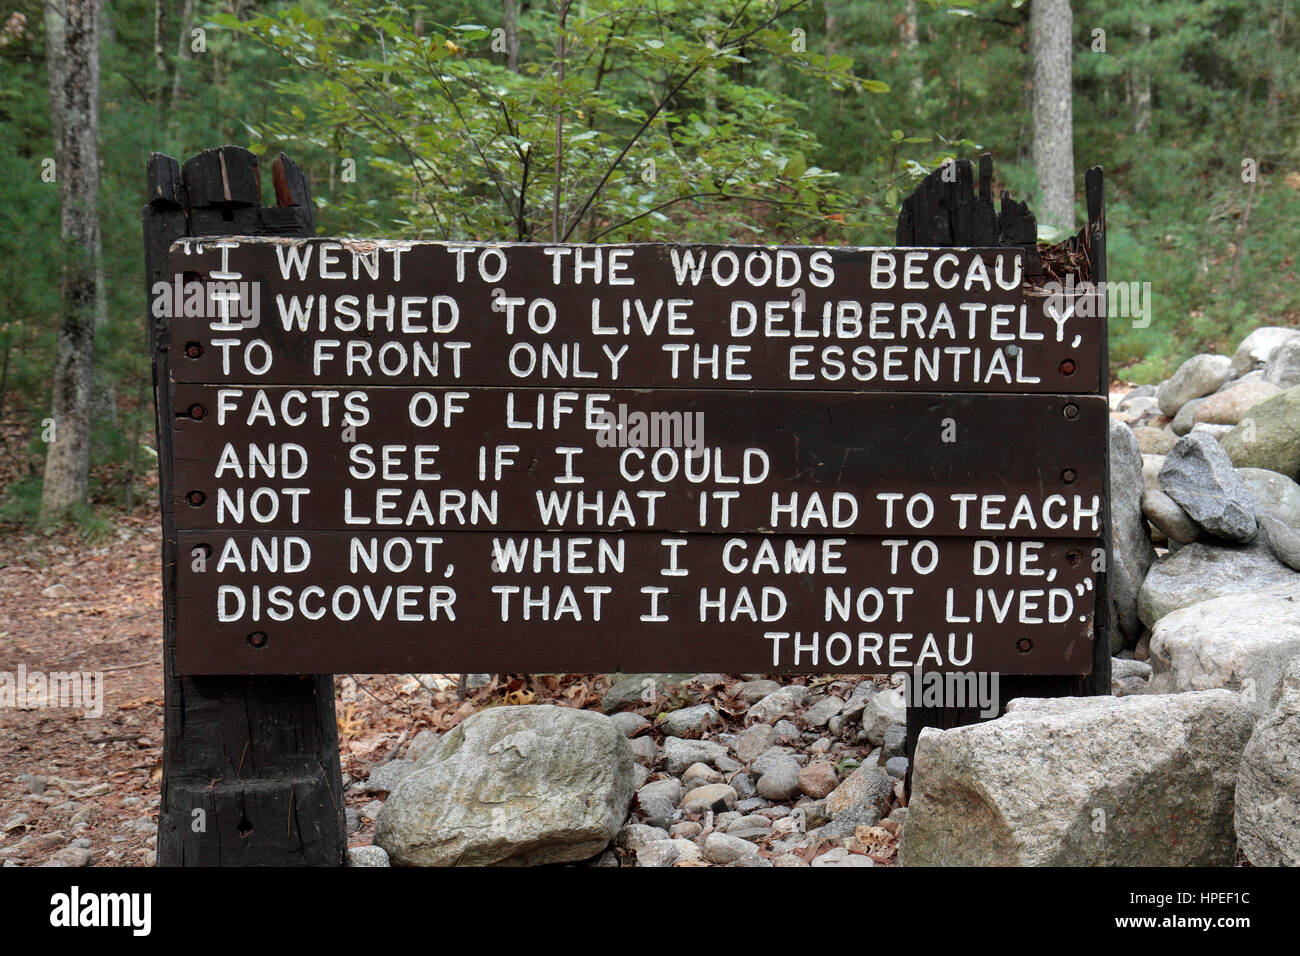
pixel 488 602
pixel 250 765
pixel 644 316
pixel 811 461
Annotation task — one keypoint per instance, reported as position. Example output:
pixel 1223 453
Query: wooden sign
pixel 518 457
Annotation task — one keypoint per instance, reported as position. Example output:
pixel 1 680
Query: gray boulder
pixel 1240 642
pixel 1198 474
pixel 513 786
pixel 1199 375
pixel 690 720
pixel 1167 516
pixel 1229 406
pixel 1283 366
pixel 1131 542
pixel 1255 348
pixel 1283 540
pixel 1273 494
pixel 1269 436
pixel 680 753
pixel 1186 418
pixel 1081 781
pixel 1268 786
pixel 1199 572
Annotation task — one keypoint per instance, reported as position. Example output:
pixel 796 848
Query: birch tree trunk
pixel 510 23
pixel 74 113
pixel 1050 31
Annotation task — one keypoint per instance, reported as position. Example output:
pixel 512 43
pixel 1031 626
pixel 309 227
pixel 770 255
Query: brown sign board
pixel 709 447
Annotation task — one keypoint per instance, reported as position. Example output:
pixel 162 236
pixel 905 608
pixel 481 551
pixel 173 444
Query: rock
pixel 1167 517
pixel 1151 465
pixel 1137 410
pixel 840 856
pixel 724 848
pixel 1199 375
pixel 863 691
pixel 896 767
pixel 1200 572
pixel 1131 544
pixel 1283 540
pixel 1240 642
pixel 895 742
pixel 686 830
pixel 1269 437
pixel 717 797
pixel 884 709
pixel 1134 393
pixel 778 704
pixel 1230 405
pixel 367 856
pixel 786 734
pixel 752 741
pixel 820 713
pixel 372 810
pixel 1198 474
pixel 69 856
pixel 1273 493
pixel 1081 781
pixel 868 786
pixel 818 779
pixel 631 724
pixel 700 775
pixel 1268 785
pixel 512 785
pixel 1283 366
pixel 658 801
pixel 634 836
pixel 726 764
pixel 780 781
pixel 1186 418
pixel 789 859
pixel 680 754
pixel 1255 348
pixel 769 758
pixel 1214 431
pixel 751 692
pixel 635 690
pixel 55 591
pixel 644 750
pixel 1129 677
pixel 690 720
pixel 670 853
pixel 386 776
pixel 421 744
pixel 1154 441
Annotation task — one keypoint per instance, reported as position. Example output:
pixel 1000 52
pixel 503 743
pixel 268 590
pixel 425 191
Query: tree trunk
pixel 510 23
pixel 74 111
pixel 1050 23
pixel 183 52
pixel 909 33
pixel 1142 85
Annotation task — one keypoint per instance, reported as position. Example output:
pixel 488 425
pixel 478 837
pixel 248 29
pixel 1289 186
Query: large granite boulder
pixel 1268 786
pixel 1269 435
pixel 1131 541
pixel 1081 781
pixel 513 786
pixel 1255 349
pixel 1200 375
pixel 1240 642
pixel 1201 571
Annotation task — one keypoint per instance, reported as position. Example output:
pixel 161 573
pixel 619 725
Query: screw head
pixel 196 498
pixel 258 639
pixel 1070 411
pixel 1067 367
pixel 197 411
pixel 193 349
pixel 1024 645
pixel 1069 476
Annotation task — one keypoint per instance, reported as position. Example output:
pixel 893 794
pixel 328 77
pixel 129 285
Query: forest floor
pixel 80 784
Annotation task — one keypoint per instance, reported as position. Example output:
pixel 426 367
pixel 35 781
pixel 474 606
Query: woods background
pixel 591 120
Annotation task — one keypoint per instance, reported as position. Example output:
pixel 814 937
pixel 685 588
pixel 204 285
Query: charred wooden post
pixel 250 764
pixel 946 210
